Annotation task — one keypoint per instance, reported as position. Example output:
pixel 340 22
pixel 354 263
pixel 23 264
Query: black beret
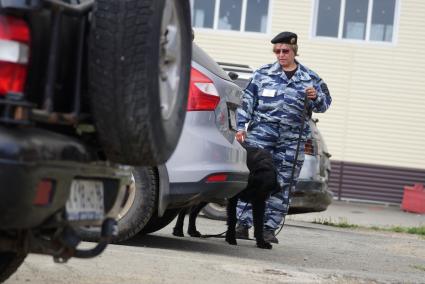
pixel 285 37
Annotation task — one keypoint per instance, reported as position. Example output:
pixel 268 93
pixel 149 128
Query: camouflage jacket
pixel 271 97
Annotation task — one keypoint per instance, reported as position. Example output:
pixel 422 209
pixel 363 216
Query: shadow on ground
pixel 201 245
pixel 218 246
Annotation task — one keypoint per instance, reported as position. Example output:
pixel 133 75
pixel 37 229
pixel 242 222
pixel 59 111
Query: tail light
pixel 217 178
pixel 202 93
pixel 14 53
pixel 44 192
pixel 309 148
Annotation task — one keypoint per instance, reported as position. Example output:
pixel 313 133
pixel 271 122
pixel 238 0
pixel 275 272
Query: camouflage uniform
pixel 273 107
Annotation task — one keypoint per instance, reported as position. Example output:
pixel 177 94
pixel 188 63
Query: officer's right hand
pixel 240 136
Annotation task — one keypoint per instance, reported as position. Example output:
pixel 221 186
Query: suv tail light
pixel 202 93
pixel 14 54
pixel 309 147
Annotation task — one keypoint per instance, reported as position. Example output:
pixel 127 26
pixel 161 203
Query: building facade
pixel 370 52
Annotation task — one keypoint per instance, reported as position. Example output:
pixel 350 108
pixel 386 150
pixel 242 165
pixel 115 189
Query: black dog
pixel 193 214
pixel 262 182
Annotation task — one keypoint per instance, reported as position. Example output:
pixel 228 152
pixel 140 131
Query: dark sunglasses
pixel 279 51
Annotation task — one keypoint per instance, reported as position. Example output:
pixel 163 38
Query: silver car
pixel 207 165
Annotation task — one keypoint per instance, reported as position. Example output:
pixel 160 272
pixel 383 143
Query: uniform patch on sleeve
pixel 325 89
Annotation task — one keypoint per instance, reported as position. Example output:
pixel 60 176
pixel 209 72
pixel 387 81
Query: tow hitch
pixel 61 244
pixel 65 246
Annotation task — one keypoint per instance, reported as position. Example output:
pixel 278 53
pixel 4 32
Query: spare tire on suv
pixel 139 70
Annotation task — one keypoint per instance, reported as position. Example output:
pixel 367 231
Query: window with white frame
pixel 368 20
pixel 235 15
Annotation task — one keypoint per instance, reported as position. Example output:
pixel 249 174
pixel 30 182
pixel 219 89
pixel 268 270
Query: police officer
pixel 273 106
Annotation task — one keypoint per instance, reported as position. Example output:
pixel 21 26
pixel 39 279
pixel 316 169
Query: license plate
pixel 232 118
pixel 85 201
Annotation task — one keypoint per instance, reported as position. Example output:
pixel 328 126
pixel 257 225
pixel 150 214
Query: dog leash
pixel 222 235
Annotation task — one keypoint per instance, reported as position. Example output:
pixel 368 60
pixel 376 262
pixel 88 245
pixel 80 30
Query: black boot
pixel 242 232
pixel 270 237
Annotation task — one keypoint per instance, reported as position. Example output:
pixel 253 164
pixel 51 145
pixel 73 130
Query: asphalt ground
pixel 307 253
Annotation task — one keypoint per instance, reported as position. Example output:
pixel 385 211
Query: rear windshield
pixel 203 59
pixel 242 83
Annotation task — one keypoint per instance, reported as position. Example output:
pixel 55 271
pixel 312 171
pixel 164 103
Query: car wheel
pixel 139 71
pixel 137 208
pixel 157 223
pixel 215 211
pixel 9 263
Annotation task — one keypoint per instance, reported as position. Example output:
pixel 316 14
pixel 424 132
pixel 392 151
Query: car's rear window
pixel 242 83
pixel 203 59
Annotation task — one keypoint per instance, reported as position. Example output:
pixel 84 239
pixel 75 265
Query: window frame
pixel 367 40
pixel 216 15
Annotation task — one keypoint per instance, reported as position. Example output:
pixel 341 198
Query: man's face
pixel 284 54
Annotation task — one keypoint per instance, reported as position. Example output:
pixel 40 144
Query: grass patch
pixel 409 230
pixel 397 229
pixel 420 267
pixel 343 223
pixel 417 230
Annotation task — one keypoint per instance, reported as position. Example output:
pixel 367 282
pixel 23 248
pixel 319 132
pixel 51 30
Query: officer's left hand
pixel 311 93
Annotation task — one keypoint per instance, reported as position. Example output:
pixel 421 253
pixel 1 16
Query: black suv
pixel 85 85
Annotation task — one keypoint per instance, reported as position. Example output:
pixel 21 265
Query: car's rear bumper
pixel 30 155
pixel 310 196
pixel 189 193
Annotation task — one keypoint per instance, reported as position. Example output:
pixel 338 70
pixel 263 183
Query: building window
pixel 235 15
pixel 382 20
pixel 256 16
pixel 203 13
pixel 230 15
pixel 355 19
pixel 328 18
pixel 367 20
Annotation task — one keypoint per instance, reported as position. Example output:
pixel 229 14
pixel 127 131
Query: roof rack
pixel 244 71
pixel 234 65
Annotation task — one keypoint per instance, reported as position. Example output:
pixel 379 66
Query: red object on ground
pixel 414 198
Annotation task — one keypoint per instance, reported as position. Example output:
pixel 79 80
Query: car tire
pixel 139 71
pixel 157 223
pixel 137 209
pixel 9 263
pixel 215 211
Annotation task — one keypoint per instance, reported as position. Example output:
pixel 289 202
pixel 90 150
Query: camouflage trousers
pixel 281 141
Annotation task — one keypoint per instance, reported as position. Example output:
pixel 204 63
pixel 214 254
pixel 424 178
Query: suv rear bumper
pixel 29 155
pixel 310 196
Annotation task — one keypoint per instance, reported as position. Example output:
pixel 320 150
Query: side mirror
pixel 233 75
